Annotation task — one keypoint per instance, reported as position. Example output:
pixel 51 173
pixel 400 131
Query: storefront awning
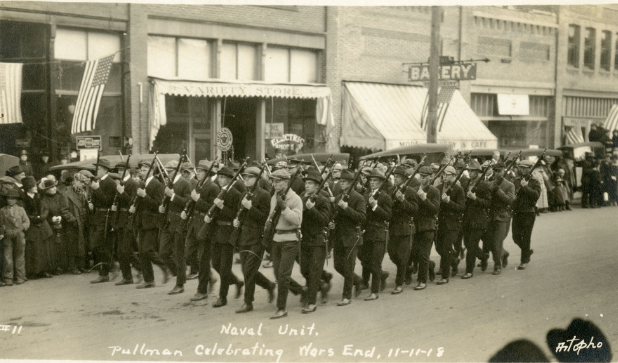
pixel 215 88
pixel 385 116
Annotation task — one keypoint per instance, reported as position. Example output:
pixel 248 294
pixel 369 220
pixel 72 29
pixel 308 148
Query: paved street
pixel 572 274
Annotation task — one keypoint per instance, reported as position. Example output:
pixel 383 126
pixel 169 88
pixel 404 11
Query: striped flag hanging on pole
pixel 575 136
pixel 444 99
pixel 611 122
pixel 90 92
pixel 10 93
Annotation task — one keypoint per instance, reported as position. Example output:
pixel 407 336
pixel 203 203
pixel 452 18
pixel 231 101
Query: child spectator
pixel 14 222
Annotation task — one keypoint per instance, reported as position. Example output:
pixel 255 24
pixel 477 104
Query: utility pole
pixel 434 62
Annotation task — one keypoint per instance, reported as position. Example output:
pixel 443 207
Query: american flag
pixel 575 135
pixel 10 93
pixel 611 122
pixel 90 92
pixel 444 99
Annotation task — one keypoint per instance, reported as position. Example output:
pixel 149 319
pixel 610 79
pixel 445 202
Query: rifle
pixel 190 207
pixel 366 186
pixel 96 172
pixel 407 182
pixel 457 177
pixel 134 203
pixel 212 212
pixel 170 184
pixel 115 202
pixel 440 171
pixel 508 169
pixel 472 188
pixel 273 218
pixel 537 164
pixel 249 195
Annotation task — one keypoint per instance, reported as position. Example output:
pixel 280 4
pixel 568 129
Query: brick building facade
pixel 560 61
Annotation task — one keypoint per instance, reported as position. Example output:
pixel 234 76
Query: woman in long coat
pixel 75 198
pixel 38 236
pixel 53 205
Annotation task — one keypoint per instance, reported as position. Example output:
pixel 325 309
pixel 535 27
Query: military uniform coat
pixel 451 213
pixel 501 201
pixel 148 206
pixel 402 223
pixel 315 220
pixel 378 218
pixel 526 197
pixel 426 219
pixel 253 220
pixel 348 221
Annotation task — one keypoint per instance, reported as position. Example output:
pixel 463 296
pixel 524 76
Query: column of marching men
pixel 171 214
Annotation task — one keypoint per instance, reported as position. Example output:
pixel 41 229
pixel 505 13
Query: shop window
pixel 573 52
pixel 589 48
pixel 22 40
pixel 606 45
pixel 484 104
pixel 519 134
pixel 301 133
pixel 291 65
pixel 161 57
pixel 239 61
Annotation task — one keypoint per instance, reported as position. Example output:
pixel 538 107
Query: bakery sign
pixel 291 142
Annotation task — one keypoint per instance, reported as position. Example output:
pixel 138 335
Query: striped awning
pixel 385 116
pixel 611 122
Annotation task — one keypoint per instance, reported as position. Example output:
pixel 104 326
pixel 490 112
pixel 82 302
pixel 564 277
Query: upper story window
pixel 179 57
pixel 573 55
pixel 74 47
pixel 616 52
pixel 239 61
pixel 606 48
pixel 291 65
pixel 589 47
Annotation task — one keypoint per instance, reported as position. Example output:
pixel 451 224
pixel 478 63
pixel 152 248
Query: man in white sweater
pixel 286 241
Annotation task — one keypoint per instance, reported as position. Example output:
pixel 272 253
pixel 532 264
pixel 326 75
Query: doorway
pixel 241 118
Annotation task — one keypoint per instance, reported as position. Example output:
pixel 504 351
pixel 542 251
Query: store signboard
pixel 88 142
pixel 273 130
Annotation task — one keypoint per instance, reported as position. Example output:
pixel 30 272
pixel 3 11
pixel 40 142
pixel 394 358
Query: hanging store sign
pixel 88 142
pixel 288 142
pixel 454 72
pixel 224 139
pixel 511 104
pixel 273 130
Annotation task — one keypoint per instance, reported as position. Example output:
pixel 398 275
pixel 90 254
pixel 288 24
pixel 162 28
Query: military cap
pixel 366 171
pixel 337 167
pixel 381 167
pixel 425 170
pixel 449 170
pixel 280 174
pixel 252 171
pixel 344 164
pixel 122 164
pixel 204 164
pixel 281 164
pixel 313 174
pixel 172 164
pixel 226 171
pixel 499 166
pixel 474 165
pixel 435 167
pixel 525 163
pixel 144 162
pixel 400 170
pixel 187 166
pixel 347 175
pixel 376 173
pixel 104 163
pixel 460 164
pixel 409 163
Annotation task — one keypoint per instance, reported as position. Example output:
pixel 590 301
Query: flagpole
pixel 434 59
